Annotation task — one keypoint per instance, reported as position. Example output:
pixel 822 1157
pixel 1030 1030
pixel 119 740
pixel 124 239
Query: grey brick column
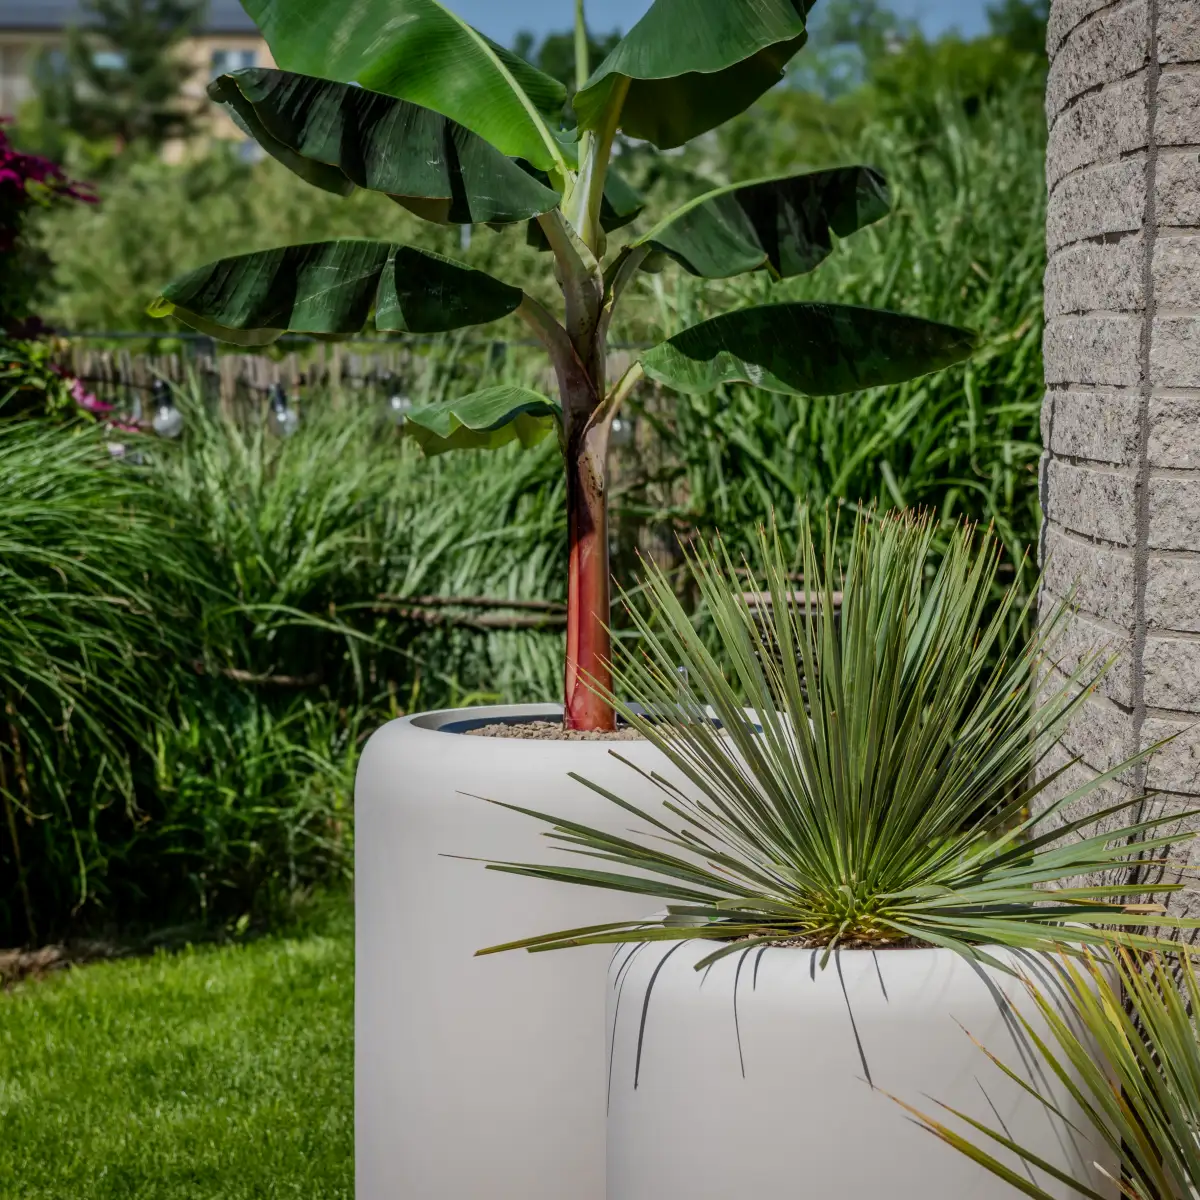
pixel 1121 419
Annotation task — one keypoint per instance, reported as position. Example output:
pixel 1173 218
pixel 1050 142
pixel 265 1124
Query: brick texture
pixel 1121 418
pixel 1178 190
pixel 1100 426
pixel 1108 46
pixel 1174 434
pixel 1178 31
pixel 1100 127
pixel 1176 267
pixel 1096 202
pixel 1177 120
pixel 1175 513
pixel 1175 350
pixel 1100 578
pixel 1100 349
pixel 1096 502
pixel 1173 593
pixel 1096 276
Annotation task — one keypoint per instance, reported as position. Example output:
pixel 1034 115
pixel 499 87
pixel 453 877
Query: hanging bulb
pixel 168 420
pixel 398 406
pixel 621 432
pixel 283 419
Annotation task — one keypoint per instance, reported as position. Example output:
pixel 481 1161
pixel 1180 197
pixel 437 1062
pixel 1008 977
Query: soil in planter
pixel 552 731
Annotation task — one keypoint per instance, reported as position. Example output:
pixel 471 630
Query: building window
pixel 108 60
pixel 224 61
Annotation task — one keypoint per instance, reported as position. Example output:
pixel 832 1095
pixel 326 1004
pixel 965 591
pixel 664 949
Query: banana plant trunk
pixel 589 596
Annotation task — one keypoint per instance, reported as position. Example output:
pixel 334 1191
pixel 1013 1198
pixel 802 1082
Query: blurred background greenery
pixel 198 636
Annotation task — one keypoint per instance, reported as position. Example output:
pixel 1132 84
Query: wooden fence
pixel 238 383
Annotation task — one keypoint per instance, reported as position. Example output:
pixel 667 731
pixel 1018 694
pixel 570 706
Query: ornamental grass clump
pixel 861 778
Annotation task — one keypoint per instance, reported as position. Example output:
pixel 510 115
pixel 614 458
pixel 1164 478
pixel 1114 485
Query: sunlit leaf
pixel 483 421
pixel 693 64
pixel 418 50
pixel 330 289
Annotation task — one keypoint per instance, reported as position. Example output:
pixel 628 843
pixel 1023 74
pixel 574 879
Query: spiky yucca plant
pixel 899 812
pixel 1141 1095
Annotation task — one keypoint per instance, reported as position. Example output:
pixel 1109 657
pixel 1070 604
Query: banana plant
pixel 404 98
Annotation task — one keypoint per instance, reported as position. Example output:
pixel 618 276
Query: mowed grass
pixel 212 1073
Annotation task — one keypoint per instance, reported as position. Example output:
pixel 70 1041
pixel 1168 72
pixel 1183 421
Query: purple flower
pixel 88 401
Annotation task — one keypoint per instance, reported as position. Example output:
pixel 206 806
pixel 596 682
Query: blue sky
pixel 501 19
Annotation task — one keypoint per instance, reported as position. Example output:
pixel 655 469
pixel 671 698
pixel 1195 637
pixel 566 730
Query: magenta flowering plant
pixel 32 383
pixel 27 181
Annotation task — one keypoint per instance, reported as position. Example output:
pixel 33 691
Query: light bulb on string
pixel 398 407
pixel 168 420
pixel 282 418
pixel 621 432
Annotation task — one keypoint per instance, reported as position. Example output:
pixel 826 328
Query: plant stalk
pixel 582 66
pixel 589 643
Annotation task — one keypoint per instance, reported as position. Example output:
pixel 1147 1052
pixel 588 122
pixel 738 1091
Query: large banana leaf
pixel 693 64
pixel 330 288
pixel 483 421
pixel 337 137
pixel 422 292
pixel 806 348
pixel 418 50
pixel 782 224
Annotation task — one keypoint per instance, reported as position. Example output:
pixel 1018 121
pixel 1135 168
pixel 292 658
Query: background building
pixel 226 40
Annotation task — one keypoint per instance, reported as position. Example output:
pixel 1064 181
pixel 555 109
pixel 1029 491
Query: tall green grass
pixel 964 244
pixel 192 650
pixel 90 582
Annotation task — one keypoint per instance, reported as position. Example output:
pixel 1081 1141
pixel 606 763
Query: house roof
pixel 222 16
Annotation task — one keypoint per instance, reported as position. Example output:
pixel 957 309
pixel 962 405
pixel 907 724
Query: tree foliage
pixel 122 76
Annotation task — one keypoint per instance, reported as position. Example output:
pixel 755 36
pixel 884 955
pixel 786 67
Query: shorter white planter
pixel 770 1099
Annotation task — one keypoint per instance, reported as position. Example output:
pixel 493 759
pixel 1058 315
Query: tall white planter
pixel 479 1078
pixel 802 1121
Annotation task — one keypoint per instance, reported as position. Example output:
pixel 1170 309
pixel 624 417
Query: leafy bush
pixel 26 182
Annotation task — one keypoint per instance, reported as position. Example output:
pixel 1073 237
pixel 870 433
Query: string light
pixel 282 419
pixel 398 407
pixel 168 420
pixel 621 432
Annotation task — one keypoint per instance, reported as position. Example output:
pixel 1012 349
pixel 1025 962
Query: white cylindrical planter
pixel 479 1078
pixel 802 1119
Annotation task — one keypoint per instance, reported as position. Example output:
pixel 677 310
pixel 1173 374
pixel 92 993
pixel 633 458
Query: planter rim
pixel 995 949
pixel 433 729
pixel 461 720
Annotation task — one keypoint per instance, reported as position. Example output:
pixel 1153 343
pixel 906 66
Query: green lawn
pixel 222 1073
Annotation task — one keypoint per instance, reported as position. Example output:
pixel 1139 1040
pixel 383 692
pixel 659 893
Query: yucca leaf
pixel 1126 1050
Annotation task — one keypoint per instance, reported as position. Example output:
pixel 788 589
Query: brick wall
pixel 1121 419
